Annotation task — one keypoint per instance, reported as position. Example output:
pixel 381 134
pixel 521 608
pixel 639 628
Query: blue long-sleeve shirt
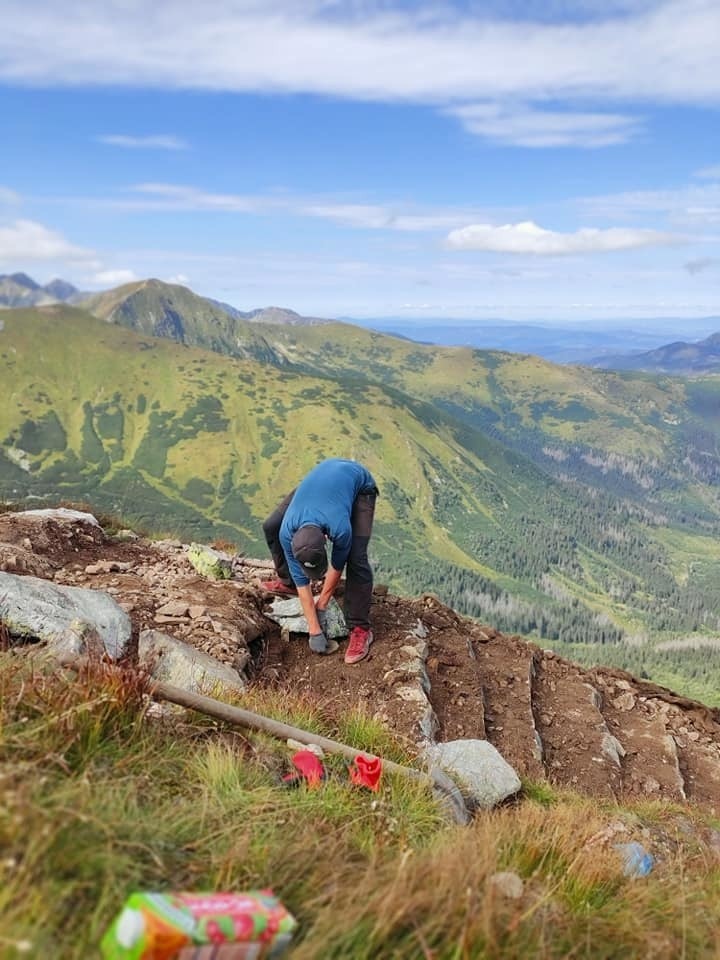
pixel 325 498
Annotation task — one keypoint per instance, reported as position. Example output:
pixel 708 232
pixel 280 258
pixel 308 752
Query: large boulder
pixel 483 775
pixel 61 514
pixel 172 661
pixel 34 609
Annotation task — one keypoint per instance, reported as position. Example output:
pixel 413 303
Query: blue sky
pixel 515 159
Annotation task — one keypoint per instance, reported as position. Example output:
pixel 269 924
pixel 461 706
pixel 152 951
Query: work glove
pixel 318 642
pixel 322 619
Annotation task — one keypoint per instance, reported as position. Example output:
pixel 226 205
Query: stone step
pixel 507 694
pixel 650 765
pixel 578 747
pixel 456 691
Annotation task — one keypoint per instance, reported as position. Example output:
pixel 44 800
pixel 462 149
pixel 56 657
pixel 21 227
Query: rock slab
pixel 288 614
pixel 36 609
pixel 172 661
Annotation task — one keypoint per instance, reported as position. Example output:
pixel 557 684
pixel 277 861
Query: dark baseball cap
pixel 308 546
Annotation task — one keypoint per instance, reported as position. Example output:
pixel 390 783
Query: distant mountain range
pixel 608 347
pixel 281 315
pixel 20 290
pixel 164 309
pixel 679 358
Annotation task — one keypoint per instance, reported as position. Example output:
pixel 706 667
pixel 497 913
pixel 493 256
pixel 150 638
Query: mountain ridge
pixel 20 290
pixel 679 357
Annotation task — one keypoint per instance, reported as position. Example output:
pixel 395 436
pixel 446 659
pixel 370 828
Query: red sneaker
pixel 279 587
pixel 359 645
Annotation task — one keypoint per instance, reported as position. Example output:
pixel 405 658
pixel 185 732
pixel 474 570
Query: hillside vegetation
pixel 576 506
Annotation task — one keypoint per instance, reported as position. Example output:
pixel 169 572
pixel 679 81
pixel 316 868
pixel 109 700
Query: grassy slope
pixel 100 801
pixel 653 439
pixel 198 445
pixel 626 415
pixel 220 439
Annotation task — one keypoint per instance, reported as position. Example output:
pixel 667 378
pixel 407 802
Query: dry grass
pixel 225 546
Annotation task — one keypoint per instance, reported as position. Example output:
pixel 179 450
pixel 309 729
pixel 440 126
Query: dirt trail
pixel 430 671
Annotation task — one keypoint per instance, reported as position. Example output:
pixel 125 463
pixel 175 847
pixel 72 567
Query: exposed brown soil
pixel 429 672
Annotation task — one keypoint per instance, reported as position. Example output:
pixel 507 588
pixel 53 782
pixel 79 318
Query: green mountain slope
pixel 630 435
pixel 201 445
pixel 208 444
pixel 172 311
pixel 640 437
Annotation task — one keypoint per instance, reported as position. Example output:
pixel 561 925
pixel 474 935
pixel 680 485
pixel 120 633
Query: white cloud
pixel 179 278
pixel 664 51
pixel 28 240
pixel 697 205
pixel 114 278
pixel 709 173
pixel 529 238
pixel 167 196
pixel 9 197
pixel 176 197
pixel 527 127
pixel 378 217
pixel 154 142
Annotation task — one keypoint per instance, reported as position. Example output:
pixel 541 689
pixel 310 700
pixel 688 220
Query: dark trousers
pixel 358 572
pixel 271 529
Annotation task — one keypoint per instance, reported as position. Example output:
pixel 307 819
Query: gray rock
pixel 429 723
pixel 481 772
pixel 39 610
pixel 612 748
pixel 172 661
pixel 174 608
pixel 288 614
pixel 80 639
pixel 62 514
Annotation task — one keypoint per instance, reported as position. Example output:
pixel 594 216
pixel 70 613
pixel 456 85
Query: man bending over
pixel 335 502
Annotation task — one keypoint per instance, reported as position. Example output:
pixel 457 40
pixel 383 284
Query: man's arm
pixel 308 608
pixel 332 578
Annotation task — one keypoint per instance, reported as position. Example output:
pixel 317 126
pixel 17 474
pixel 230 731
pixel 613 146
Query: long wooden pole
pixel 451 796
